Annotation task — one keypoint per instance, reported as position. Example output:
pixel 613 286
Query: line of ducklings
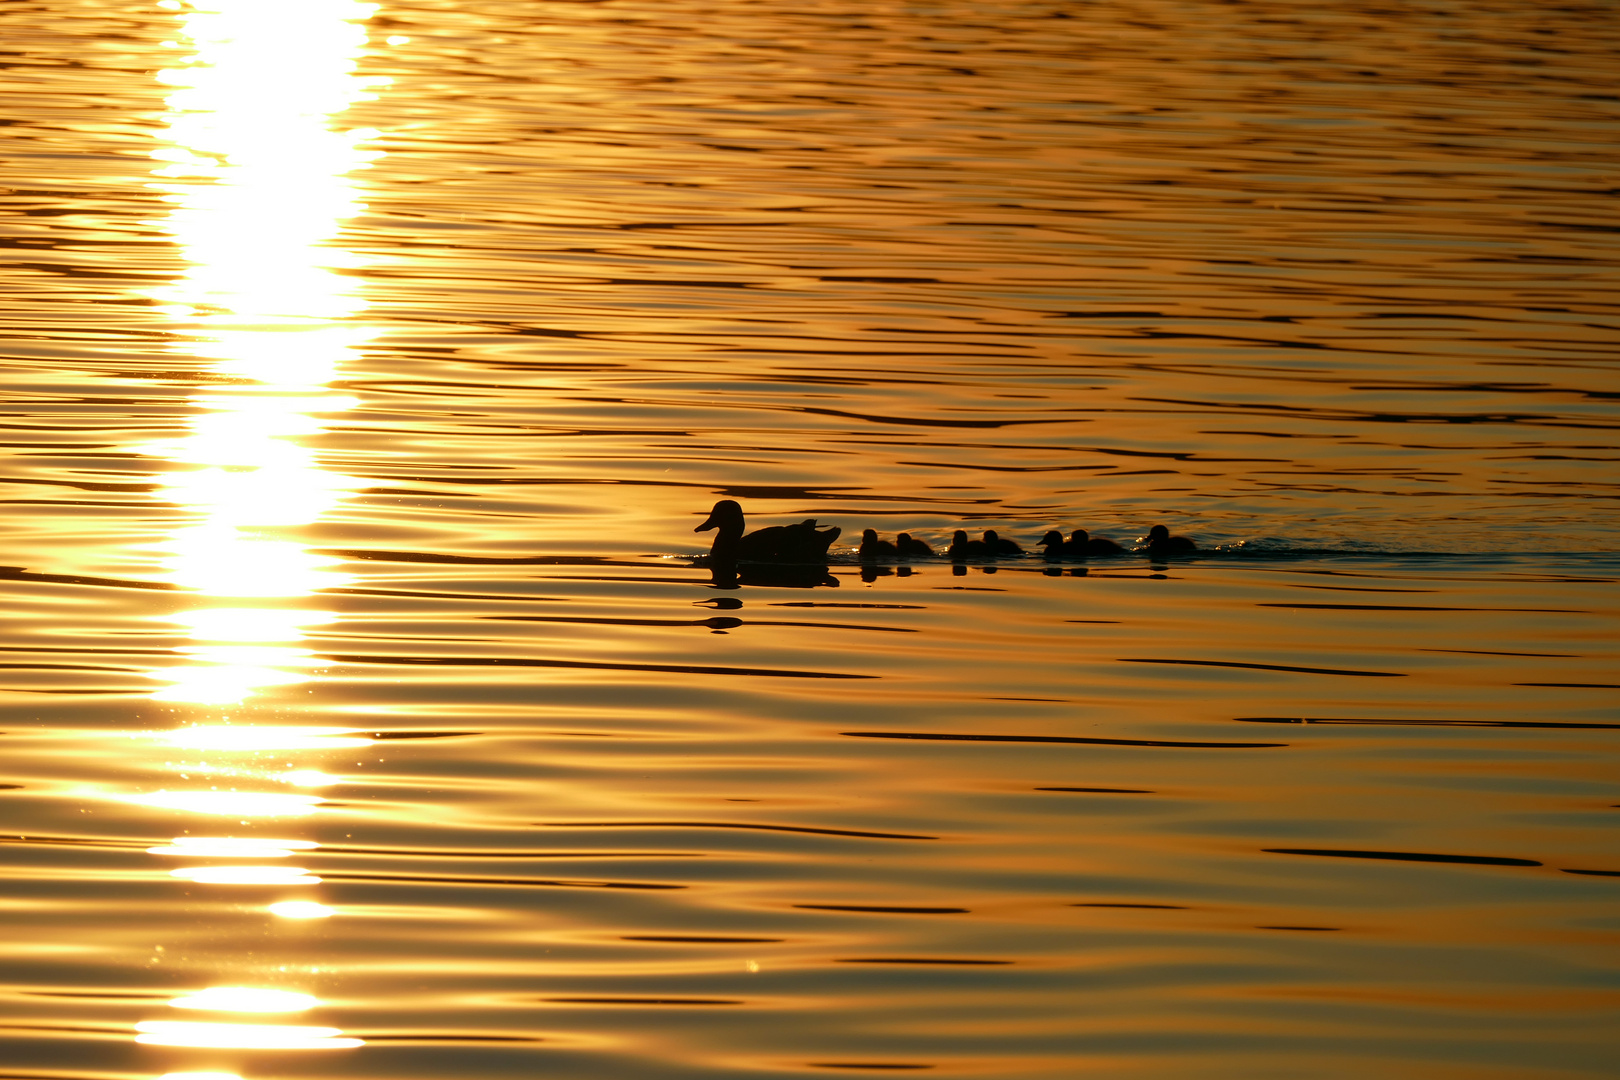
pixel 1080 545
pixel 805 542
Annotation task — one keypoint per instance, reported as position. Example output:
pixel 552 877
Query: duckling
pixel 1055 546
pixel 1160 542
pixel 963 548
pixel 911 547
pixel 998 546
pixel 873 548
pixel 801 543
pixel 1086 544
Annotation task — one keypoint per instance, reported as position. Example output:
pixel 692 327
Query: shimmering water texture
pixel 367 714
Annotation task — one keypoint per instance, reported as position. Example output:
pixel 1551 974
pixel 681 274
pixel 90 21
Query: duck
pixel 1160 542
pixel 801 543
pixel 1084 542
pixel 963 548
pixel 1057 548
pixel 910 547
pixel 1000 546
pixel 873 548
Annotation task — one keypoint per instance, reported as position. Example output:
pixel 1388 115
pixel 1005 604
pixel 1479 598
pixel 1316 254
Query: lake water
pixel 368 366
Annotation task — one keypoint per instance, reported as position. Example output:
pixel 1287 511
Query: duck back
pixel 910 547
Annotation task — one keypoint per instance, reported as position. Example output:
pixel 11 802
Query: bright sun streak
pixel 258 178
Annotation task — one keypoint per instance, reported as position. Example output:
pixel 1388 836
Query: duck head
pixel 869 536
pixel 1158 534
pixel 990 537
pixel 727 516
pixel 1079 536
pixel 1052 537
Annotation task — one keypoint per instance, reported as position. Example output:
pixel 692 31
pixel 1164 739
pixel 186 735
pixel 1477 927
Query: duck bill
pixel 709 523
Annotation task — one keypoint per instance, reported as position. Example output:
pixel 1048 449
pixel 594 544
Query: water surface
pixel 368 366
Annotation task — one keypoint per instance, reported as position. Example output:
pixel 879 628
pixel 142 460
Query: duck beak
pixel 709 523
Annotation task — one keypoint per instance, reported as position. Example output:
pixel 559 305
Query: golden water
pixel 368 366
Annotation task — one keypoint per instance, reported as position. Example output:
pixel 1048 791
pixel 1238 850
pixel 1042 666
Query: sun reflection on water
pixel 267 737
pixel 235 804
pixel 245 999
pixel 230 847
pixel 258 177
pixel 241 1036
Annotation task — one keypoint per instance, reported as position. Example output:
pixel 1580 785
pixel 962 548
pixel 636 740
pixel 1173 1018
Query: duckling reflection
pixel 1160 544
pixel 801 543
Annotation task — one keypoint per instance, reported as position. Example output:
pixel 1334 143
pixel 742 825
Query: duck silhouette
pixel 801 543
pixel 1079 545
pixel 1093 545
pixel 1160 542
pixel 1000 546
pixel 910 547
pixel 1058 548
pixel 873 548
pixel 963 548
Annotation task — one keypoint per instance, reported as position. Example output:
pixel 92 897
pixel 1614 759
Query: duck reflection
pixel 785 576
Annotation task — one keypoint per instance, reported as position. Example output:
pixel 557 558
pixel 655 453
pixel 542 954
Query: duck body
pixel 1079 545
pixel 801 543
pixel 1000 546
pixel 963 548
pixel 1084 542
pixel 873 548
pixel 910 547
pixel 1160 542
pixel 1056 547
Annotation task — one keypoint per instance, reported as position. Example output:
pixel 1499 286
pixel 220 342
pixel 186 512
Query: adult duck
pixel 963 548
pixel 801 543
pixel 1000 546
pixel 912 548
pixel 1160 542
pixel 873 548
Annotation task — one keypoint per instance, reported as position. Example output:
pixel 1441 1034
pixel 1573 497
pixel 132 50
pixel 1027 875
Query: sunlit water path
pixel 368 367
